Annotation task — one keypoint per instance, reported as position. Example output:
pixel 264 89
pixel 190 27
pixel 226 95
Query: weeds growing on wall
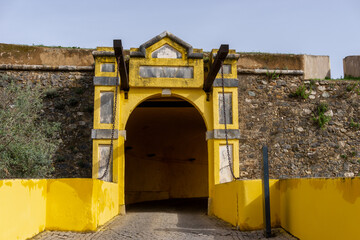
pixel 272 75
pixel 300 93
pixel 27 142
pixel 320 119
pixel 354 125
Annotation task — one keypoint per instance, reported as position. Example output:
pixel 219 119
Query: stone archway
pixel 165 152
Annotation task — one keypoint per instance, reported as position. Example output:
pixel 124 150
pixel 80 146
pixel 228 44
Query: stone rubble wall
pixel 268 115
pixel 297 147
pixel 69 101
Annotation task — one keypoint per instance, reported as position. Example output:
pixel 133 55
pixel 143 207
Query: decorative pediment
pixel 166 51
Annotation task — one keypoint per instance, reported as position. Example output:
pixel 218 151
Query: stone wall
pixel 51 56
pixel 297 147
pixel 69 101
pixel 316 67
pixel 268 115
pixel 352 66
pixel 313 66
pixel 270 61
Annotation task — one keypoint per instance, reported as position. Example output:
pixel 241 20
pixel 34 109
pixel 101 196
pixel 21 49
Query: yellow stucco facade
pixel 165 67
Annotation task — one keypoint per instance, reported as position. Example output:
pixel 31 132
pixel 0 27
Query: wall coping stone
pixel 265 71
pixel 103 54
pixel 45 67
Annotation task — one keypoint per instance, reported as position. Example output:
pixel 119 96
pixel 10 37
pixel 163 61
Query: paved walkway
pixel 169 220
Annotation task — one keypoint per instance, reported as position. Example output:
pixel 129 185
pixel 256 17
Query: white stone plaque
pixel 166 72
pixel 108 67
pixel 225 170
pixel 106 107
pixel 166 51
pixel 104 151
pixel 226 69
pixel 228 108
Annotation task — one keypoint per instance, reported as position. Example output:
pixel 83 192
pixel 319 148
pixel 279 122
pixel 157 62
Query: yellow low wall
pixel 93 202
pixel 28 207
pixel 307 208
pixel 22 208
pixel 240 203
pixel 69 205
pixel 321 208
pixel 105 201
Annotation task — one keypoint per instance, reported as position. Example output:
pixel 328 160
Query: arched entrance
pixel 169 151
pixel 165 152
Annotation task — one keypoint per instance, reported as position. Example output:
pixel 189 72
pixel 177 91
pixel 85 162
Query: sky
pixel 317 27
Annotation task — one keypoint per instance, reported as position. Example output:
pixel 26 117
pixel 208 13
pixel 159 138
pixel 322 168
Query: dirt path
pixel 165 220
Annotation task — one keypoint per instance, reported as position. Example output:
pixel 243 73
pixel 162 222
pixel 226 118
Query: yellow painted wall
pixel 240 203
pixel 80 204
pixel 28 207
pixel 105 201
pixel 307 208
pixel 22 208
pixel 321 208
pixel 69 205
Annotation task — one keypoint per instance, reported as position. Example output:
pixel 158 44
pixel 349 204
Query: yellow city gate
pixel 165 134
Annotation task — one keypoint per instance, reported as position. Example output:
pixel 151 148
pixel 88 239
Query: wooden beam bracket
pixel 215 67
pixel 119 55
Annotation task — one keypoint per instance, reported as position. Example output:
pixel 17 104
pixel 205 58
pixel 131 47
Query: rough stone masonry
pixel 268 115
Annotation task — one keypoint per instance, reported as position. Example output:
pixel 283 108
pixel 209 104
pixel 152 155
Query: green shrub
pixel 27 142
pixel 354 125
pixel 300 93
pixel 321 119
pixel 51 93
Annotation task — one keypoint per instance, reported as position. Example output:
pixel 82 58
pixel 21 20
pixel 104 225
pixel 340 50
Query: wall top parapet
pixel 141 51
pixel 38 55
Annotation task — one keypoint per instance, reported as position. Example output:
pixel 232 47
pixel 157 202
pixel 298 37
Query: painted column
pixel 105 97
pixel 225 153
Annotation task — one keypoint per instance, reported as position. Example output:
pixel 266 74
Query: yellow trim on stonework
pixel 163 42
pixel 235 111
pixel 98 90
pixel 196 97
pixel 197 64
pixel 232 62
pixel 235 157
pixel 107 49
pixel 117 145
pixel 101 60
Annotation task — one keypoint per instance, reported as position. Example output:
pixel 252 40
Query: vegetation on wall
pixel 27 142
pixel 320 118
pixel 301 92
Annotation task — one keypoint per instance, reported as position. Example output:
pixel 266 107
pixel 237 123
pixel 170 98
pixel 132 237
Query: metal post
pixel 266 193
